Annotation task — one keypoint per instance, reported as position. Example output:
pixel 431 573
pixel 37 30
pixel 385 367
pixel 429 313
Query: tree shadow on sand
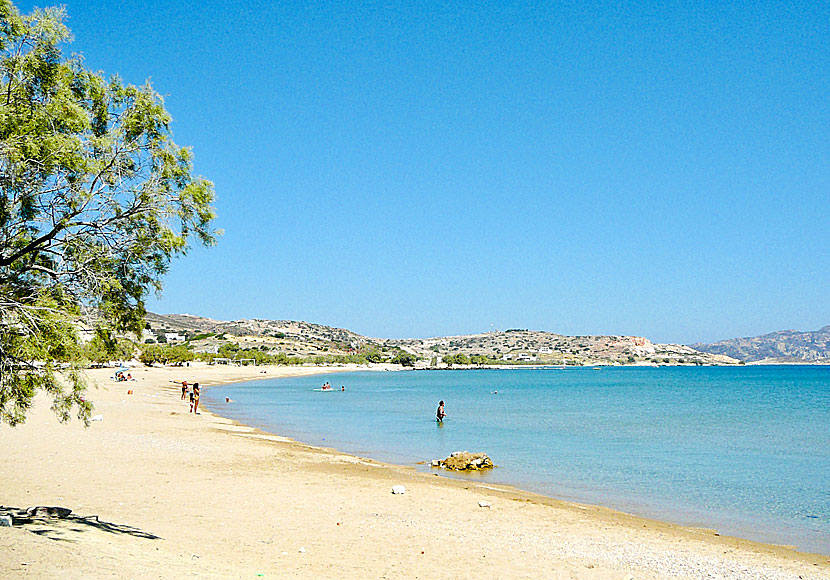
pixel 56 523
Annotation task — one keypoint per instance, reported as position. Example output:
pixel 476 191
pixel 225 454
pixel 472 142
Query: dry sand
pixel 178 495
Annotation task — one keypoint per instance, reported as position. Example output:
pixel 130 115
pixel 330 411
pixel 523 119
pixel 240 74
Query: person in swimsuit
pixel 440 414
pixel 184 389
pixel 195 398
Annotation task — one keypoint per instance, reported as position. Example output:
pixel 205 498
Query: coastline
pixel 210 497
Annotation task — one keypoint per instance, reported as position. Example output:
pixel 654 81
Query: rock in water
pixel 465 461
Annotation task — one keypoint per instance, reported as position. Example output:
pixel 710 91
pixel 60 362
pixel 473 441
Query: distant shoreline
pixel 612 366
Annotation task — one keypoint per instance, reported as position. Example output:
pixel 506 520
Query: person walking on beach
pixel 440 414
pixel 194 399
pixel 184 389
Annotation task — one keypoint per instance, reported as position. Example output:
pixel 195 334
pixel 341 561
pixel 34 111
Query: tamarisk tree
pixel 95 201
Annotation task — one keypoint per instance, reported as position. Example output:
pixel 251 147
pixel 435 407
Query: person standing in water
pixel 440 414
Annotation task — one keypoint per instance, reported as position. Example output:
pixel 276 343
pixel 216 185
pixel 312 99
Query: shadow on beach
pixel 56 522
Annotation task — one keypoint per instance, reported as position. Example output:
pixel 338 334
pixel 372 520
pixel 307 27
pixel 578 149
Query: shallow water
pixel 743 450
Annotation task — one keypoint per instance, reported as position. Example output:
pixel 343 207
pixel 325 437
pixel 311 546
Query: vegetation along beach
pixel 481 290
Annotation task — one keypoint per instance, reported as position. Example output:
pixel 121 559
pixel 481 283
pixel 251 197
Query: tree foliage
pixel 157 353
pixel 105 348
pixel 404 358
pixel 95 200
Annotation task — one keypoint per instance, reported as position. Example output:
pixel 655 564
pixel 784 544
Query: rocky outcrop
pixel 464 461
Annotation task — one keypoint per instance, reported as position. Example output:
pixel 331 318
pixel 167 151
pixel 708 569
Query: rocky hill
pixel 784 346
pixel 526 346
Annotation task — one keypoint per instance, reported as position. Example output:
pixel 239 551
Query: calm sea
pixel 743 450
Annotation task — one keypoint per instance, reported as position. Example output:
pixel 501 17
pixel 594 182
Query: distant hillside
pixel 785 346
pixel 305 339
pixel 288 336
pixel 549 348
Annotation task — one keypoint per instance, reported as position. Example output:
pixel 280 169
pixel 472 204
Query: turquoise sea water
pixel 743 450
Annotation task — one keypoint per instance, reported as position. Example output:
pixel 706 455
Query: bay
pixel 743 450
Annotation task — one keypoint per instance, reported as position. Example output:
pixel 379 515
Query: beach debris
pixel 301 550
pixel 97 418
pixel 42 511
pixel 398 489
pixel 465 461
pixel 485 504
pixel 5 521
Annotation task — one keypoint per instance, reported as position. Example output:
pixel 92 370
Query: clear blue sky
pixel 421 169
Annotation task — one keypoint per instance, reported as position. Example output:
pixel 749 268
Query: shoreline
pixel 769 534
pixel 226 500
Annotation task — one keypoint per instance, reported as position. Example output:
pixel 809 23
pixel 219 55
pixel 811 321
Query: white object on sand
pixel 484 504
pixel 398 489
pixel 97 418
pixel 5 521
pixel 301 550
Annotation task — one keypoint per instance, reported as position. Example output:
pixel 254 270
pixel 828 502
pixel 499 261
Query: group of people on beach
pixel 194 393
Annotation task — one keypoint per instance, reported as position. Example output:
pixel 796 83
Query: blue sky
pixel 422 169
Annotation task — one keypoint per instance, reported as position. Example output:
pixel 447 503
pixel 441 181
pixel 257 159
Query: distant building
pixel 174 337
pixel 545 350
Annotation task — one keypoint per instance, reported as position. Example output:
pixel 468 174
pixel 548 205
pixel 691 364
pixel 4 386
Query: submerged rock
pixel 464 461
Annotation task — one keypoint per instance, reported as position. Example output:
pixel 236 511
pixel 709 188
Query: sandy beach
pixel 158 492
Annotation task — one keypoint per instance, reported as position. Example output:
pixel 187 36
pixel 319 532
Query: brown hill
pixel 529 346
